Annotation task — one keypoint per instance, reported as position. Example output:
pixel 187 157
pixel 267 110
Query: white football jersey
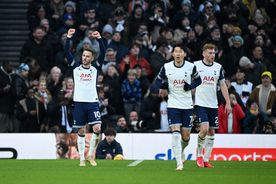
pixel 211 75
pixel 176 76
pixel 85 84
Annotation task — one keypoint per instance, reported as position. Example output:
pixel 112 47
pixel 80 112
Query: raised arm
pixel 100 60
pixel 69 56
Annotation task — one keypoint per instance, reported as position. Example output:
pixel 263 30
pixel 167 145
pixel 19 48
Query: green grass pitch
pixel 147 172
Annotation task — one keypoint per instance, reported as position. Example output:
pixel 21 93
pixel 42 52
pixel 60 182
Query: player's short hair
pixel 208 46
pixel 90 50
pixel 181 47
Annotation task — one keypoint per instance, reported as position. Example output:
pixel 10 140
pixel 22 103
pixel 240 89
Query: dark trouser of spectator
pixel 8 123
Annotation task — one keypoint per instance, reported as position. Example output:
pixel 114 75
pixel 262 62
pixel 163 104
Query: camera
pixel 138 125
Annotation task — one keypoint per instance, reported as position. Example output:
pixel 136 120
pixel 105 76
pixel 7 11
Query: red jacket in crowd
pixel 238 115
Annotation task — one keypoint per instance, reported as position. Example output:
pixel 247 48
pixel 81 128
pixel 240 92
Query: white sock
pixel 81 146
pixel 209 143
pixel 93 143
pixel 184 144
pixel 176 147
pixel 200 143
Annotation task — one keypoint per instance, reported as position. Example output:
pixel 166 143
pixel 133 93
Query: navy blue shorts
pixel 86 113
pixel 181 117
pixel 206 114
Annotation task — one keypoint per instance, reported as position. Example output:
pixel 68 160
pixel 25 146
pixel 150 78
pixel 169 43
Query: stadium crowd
pixel 139 36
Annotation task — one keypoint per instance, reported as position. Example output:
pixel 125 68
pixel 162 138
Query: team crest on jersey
pixel 85 77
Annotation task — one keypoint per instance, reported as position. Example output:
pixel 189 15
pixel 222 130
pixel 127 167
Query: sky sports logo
pixel 229 154
pixel 244 154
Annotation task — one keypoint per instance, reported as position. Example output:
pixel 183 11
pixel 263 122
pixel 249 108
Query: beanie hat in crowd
pixel 237 38
pixel 244 61
pixel 186 3
pixel 108 29
pixel 87 40
pixel 72 4
pixel 23 67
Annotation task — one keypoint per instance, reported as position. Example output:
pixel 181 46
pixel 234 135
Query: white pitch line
pixel 135 163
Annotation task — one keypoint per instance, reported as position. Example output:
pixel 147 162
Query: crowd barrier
pixel 139 146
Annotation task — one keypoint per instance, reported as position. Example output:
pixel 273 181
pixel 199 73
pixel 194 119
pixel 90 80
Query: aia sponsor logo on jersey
pixel 209 80
pixel 178 83
pixel 85 77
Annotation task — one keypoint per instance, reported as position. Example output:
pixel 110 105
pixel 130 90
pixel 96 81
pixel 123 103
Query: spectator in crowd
pixel 230 123
pixel 158 58
pixel 110 59
pixel 136 17
pixel 60 112
pixel 6 98
pixel 43 97
pixel 242 86
pixel 20 82
pixel 30 113
pixel 252 70
pixel 89 19
pixel 157 20
pixel 121 125
pixel 118 46
pixel 251 120
pixel 50 35
pixel 143 79
pixel 113 82
pixel 131 92
pixel 133 59
pixel 264 94
pixel 54 83
pixel 106 109
pixel 109 147
pixel 68 88
pixel 57 8
pixel 232 55
pixel 38 48
pixel 150 109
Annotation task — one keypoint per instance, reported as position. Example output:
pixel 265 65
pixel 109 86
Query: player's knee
pixel 97 128
pixel 211 133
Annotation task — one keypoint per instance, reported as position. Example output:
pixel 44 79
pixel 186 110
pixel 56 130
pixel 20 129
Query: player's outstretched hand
pixel 96 34
pixel 70 32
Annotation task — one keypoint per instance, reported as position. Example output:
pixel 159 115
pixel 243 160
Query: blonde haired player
pixel 206 104
pixel 85 96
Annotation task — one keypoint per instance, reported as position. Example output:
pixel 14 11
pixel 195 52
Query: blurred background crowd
pixel 139 36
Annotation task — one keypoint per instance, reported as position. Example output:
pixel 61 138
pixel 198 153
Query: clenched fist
pixel 70 32
pixel 96 34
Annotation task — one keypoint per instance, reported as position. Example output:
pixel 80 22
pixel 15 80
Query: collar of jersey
pixel 179 66
pixel 207 65
pixel 85 68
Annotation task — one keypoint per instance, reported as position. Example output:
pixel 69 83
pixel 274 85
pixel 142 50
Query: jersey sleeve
pixel 68 54
pixel 161 78
pixel 99 62
pixel 221 74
